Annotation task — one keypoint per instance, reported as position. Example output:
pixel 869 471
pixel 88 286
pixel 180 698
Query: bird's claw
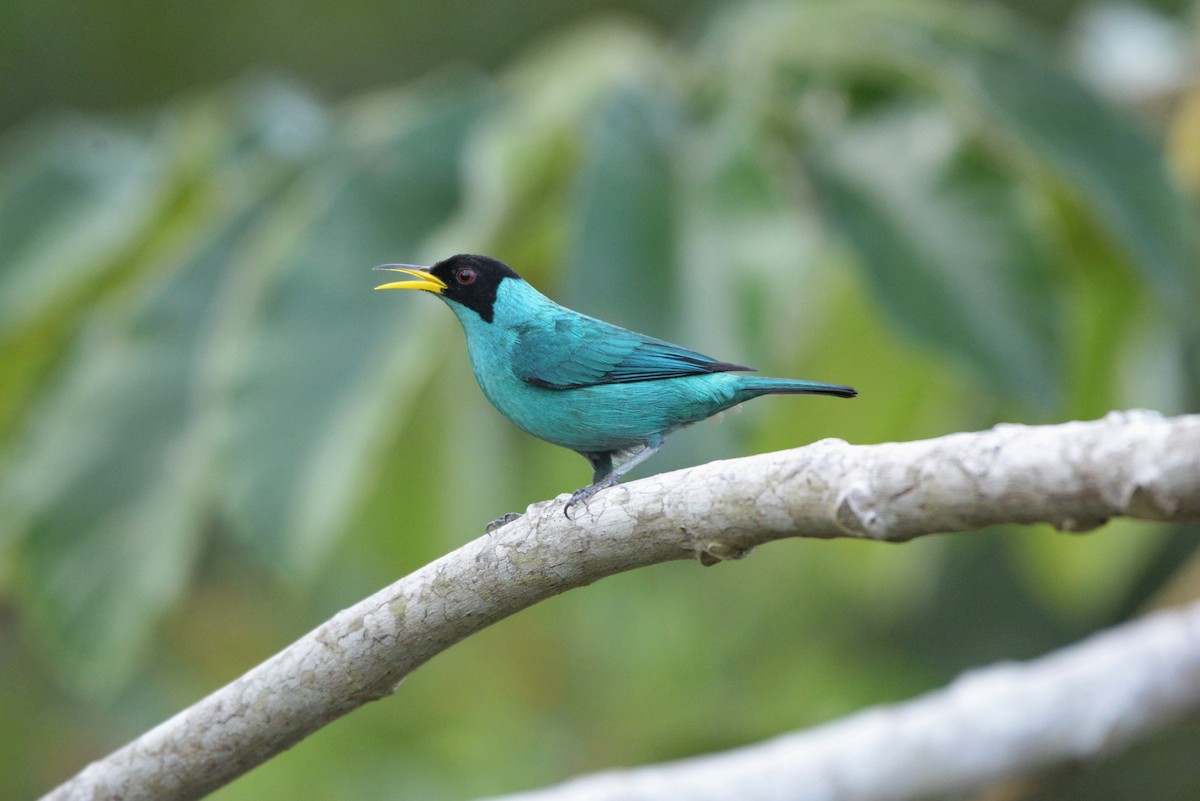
pixel 502 520
pixel 579 496
pixel 582 494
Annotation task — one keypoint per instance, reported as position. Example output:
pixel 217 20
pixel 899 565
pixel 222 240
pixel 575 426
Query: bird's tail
pixel 754 386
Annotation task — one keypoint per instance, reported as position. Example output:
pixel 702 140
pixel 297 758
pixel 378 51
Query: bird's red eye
pixel 465 276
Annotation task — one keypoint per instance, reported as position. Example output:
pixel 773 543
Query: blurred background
pixel 214 435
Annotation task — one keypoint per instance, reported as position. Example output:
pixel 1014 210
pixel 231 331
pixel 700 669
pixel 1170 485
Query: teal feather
pixel 574 350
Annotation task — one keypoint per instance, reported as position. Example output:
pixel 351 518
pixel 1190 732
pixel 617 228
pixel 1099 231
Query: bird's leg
pixel 602 468
pixel 502 520
pixel 604 476
pixel 602 465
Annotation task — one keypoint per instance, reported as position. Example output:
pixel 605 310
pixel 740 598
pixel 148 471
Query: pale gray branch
pixel 1074 475
pixel 1007 720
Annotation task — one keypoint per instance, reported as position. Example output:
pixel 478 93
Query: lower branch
pixel 1082 702
pixel 1074 475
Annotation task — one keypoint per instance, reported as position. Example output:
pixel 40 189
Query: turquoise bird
pixel 610 394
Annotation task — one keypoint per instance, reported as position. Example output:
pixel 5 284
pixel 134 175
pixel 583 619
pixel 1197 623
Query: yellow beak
pixel 426 280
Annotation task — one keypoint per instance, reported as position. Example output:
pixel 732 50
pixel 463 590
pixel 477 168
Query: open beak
pixel 425 279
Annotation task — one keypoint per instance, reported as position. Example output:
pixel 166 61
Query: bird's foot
pixel 581 495
pixel 502 520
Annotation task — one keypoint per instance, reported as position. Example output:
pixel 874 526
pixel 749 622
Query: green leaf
pixel 519 167
pixel 944 244
pixel 107 484
pixel 620 264
pixel 809 69
pixel 1110 165
pixel 105 488
pixel 72 195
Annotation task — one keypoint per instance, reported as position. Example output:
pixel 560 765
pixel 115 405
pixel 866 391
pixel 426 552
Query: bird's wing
pixel 580 351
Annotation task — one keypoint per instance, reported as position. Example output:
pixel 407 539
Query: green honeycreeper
pixel 610 394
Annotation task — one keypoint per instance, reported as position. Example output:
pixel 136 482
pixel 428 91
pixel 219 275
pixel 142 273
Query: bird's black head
pixel 473 281
pixel 466 279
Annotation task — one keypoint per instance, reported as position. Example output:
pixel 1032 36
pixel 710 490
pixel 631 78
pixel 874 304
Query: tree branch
pixel 1084 701
pixel 1074 475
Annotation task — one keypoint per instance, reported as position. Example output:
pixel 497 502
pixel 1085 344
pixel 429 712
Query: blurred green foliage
pixel 213 434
